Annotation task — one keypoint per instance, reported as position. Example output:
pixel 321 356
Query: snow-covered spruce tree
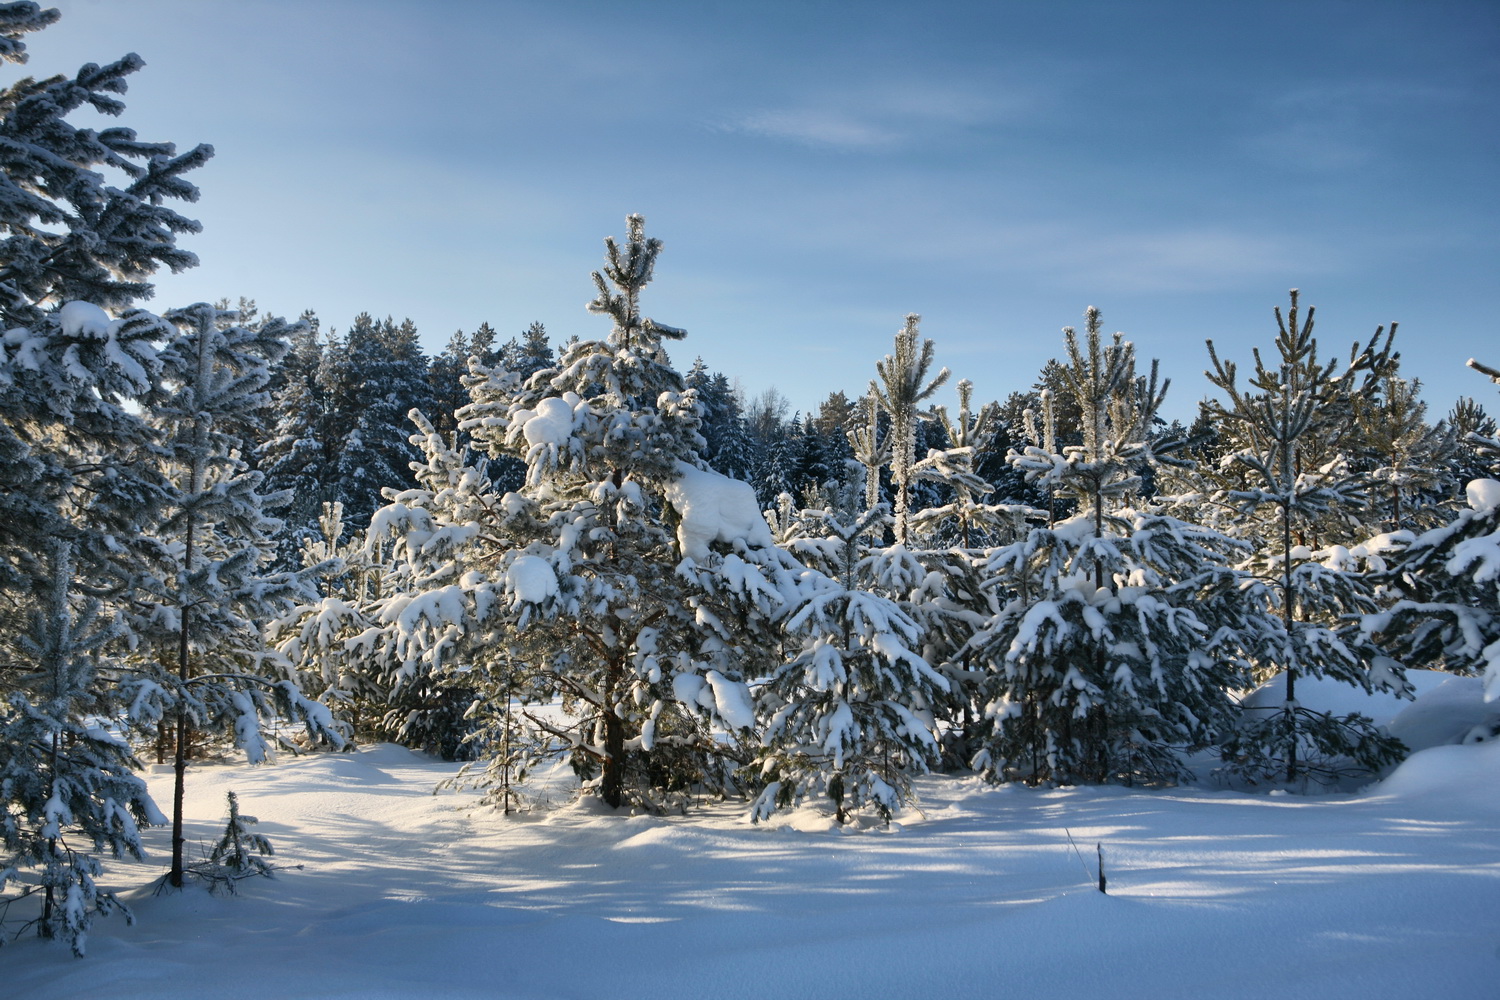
pixel 902 386
pixel 1115 641
pixel 85 218
pixel 1289 437
pixel 372 376
pixel 296 457
pixel 727 448
pixel 822 464
pixel 70 793
pixel 214 594
pixel 849 714
pixel 772 435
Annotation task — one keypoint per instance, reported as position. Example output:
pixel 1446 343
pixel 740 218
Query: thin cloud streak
pixel 886 115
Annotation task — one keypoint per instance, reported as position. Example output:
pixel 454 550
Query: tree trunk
pixel 179 759
pixel 1287 611
pixel 49 901
pixel 1288 618
pixel 612 786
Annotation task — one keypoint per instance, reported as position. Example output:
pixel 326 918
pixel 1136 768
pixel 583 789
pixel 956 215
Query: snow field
pixel 404 895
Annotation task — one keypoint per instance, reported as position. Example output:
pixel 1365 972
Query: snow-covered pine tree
pixel 312 636
pixel 849 715
pixel 239 853
pixel 902 386
pixel 950 600
pixel 339 645
pixel 574 583
pixel 836 413
pixel 215 596
pixel 966 520
pixel 1446 585
pixel 1113 648
pixel 871 446
pixel 1407 459
pixel 1472 429
pixel 1289 437
pixel 70 233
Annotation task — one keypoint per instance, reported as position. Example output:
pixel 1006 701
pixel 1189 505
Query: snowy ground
pixel 1392 893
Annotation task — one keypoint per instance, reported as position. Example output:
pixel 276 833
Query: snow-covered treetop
pixel 1117 412
pixel 114 232
pixel 630 270
pixel 903 373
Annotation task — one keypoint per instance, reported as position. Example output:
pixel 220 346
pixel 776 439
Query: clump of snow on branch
pixel 1483 494
pixel 714 508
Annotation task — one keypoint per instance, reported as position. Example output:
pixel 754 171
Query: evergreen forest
pixel 228 532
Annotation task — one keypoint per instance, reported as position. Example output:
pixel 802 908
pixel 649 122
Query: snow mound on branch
pixel 1483 494
pixel 728 699
pixel 731 701
pixel 714 508
pixel 531 579
pixel 551 424
pixel 84 319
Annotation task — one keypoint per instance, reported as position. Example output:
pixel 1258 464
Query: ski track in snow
pixel 1212 894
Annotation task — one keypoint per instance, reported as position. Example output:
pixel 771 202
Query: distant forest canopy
pixel 336 428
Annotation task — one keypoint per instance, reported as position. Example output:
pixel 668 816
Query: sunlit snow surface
pixel 1388 894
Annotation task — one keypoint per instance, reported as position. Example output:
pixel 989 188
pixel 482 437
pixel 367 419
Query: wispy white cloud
pixel 882 115
pixel 816 127
pixel 1337 126
pixel 1075 254
pixel 1188 260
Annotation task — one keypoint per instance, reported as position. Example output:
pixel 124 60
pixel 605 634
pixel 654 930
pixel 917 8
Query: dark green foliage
pixel 239 853
pixel 1294 486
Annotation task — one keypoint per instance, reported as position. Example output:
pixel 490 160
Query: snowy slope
pixel 1388 894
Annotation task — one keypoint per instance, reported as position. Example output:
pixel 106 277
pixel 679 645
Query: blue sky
pixel 818 170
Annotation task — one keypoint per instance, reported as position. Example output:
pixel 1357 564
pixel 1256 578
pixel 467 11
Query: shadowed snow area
pixel 1392 893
